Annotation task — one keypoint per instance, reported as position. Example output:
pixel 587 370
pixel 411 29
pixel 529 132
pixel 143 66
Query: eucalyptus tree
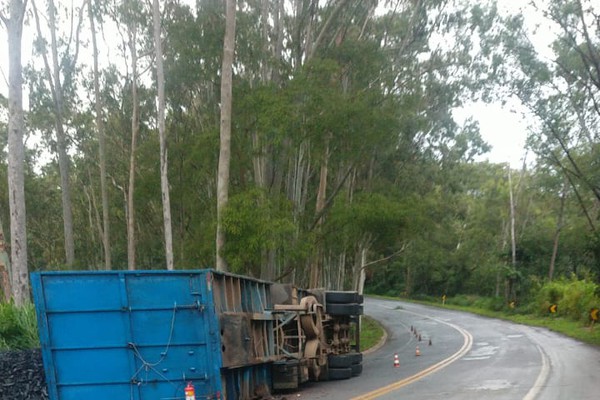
pixel 225 128
pixel 19 273
pixel 164 164
pixel 134 25
pixel 577 69
pixel 59 71
pixel 5 286
pixel 101 133
pixel 193 56
pixel 361 89
pixel 563 92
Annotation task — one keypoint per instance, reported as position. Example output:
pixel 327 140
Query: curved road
pixel 470 357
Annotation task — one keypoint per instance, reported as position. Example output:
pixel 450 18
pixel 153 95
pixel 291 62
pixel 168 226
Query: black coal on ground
pixel 22 375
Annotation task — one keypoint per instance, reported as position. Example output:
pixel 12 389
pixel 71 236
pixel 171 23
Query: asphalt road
pixel 470 357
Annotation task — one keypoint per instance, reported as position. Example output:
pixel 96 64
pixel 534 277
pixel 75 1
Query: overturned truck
pixel 198 334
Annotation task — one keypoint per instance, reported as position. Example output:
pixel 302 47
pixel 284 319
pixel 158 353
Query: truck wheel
pixel 344 360
pixel 309 325
pixel 340 373
pixel 342 297
pixel 344 309
pixel 356 369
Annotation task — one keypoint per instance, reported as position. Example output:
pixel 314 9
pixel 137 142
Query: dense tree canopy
pixel 347 165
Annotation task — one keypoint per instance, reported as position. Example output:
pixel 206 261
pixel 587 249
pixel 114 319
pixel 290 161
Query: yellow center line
pixel 468 343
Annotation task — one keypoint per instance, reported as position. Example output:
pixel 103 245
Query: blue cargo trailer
pixel 145 335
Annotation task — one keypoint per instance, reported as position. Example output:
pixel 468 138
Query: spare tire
pixel 342 297
pixel 344 360
pixel 356 369
pixel 340 373
pixel 344 309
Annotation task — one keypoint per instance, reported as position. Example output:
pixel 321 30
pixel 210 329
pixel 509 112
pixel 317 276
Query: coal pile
pixel 22 375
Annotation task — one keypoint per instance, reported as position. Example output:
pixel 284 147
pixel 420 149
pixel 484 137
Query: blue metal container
pixel 143 335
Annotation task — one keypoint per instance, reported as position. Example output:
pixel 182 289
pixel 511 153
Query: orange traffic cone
pixel 417 352
pixel 190 393
pixel 396 360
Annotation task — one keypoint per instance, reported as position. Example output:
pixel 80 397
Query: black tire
pixel 340 373
pixel 344 360
pixel 344 309
pixel 335 297
pixel 356 357
pixel 356 369
pixel 339 361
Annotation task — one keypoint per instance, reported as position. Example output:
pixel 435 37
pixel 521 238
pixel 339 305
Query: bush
pixel 579 298
pixel 550 293
pixel 18 327
pixel 574 298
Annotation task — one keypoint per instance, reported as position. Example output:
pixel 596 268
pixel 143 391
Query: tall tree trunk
pixel 559 225
pixel 135 127
pixel 5 286
pixel 362 273
pixel 263 159
pixel 513 241
pixel 225 143
pixel 63 157
pixel 53 77
pixel 315 272
pixel 278 47
pixel 101 147
pixel 19 271
pixel 264 21
pixel 164 163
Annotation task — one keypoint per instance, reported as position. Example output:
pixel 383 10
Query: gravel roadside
pixel 22 375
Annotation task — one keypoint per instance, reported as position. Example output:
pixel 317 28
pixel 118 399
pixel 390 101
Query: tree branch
pixel 572 161
pixel 568 174
pixel 330 200
pixel 319 39
pixel 404 245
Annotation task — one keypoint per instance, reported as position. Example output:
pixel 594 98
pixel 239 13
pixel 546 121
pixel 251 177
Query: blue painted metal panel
pixel 128 335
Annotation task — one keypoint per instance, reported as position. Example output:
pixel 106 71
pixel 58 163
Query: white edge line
pixel 541 379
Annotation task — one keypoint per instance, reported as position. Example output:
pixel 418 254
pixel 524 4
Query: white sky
pixel 503 128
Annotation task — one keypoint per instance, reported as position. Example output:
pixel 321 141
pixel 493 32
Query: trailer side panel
pixel 127 334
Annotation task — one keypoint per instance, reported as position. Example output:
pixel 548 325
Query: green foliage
pixel 574 297
pixel 483 303
pixel 18 327
pixel 254 224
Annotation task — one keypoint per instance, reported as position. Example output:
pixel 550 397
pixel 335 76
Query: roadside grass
pixel 371 333
pixel 18 327
pixel 584 332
